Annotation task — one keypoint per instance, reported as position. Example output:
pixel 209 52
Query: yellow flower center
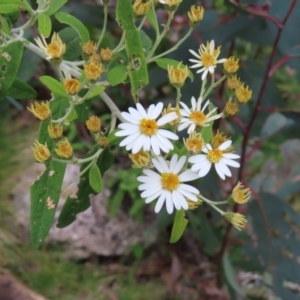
pixel 238 195
pixel 148 126
pixel 198 117
pixel 214 155
pixel 194 144
pixel 208 60
pixel 54 50
pixel 170 181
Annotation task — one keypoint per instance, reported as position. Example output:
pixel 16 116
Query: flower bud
pixel 41 152
pixel 93 124
pixel 233 83
pixel 141 7
pixel 106 55
pixel 192 204
pixel 88 49
pixel 237 220
pixel 140 159
pixel 231 108
pixel 231 66
pixel 93 71
pixel 177 75
pixel 40 110
pixel 218 139
pixel 239 195
pixel 102 141
pixel 195 15
pixel 64 149
pixel 72 86
pixel 243 94
pixel 170 5
pixel 194 143
pixel 55 131
pixel 175 109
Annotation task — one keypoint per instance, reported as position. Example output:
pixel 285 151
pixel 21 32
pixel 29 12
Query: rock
pixel 93 232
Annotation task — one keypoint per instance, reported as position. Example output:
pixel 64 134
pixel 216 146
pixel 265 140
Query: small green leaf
pixel 95 178
pixel 117 75
pixel 55 6
pixel 230 275
pixel 146 42
pixel 10 59
pixel 95 91
pixel 54 86
pixel 21 90
pixel 10 8
pixel 165 62
pixel 72 116
pixel 179 225
pixel 112 138
pixel 4 25
pixel 72 40
pixel 44 25
pixel 151 16
pixel 75 23
pixel 83 111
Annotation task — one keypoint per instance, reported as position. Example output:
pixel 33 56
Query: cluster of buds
pixel 94 124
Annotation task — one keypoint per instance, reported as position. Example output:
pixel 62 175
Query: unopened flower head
pixel 168 185
pixel 177 75
pixel 94 59
pixel 243 94
pixel 194 143
pixel 72 86
pixel 233 83
pixel 41 152
pixel 207 58
pixel 193 205
pixel 219 157
pixel 103 141
pixel 141 7
pixel 218 139
pixel 231 108
pixel 239 195
pixel 140 159
pixel 231 65
pixel 170 4
pixel 55 50
pixel 40 110
pixel 64 149
pixel 196 117
pixel 93 124
pixel 55 131
pixel 175 109
pixel 88 49
pixel 195 15
pixel 237 220
pixel 106 55
pixel 93 71
pixel 142 131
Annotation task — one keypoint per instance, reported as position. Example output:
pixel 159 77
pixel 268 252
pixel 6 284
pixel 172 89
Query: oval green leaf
pixel 75 23
pixel 55 6
pixel 95 178
pixel 117 75
pixel 179 226
pixel 44 25
pixel 54 86
pixel 21 90
pixel 95 92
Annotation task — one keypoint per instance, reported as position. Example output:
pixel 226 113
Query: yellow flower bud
pixel 94 59
pixel 40 110
pixel 195 15
pixel 72 86
pixel 93 124
pixel 231 65
pixel 239 195
pixel 64 149
pixel 88 49
pixel 93 72
pixel 233 83
pixel 192 204
pixel 102 141
pixel 218 140
pixel 141 7
pixel 175 109
pixel 230 109
pixel 243 94
pixel 170 5
pixel 41 152
pixel 55 131
pixel 237 220
pixel 194 143
pixel 140 159
pixel 106 55
pixel 177 75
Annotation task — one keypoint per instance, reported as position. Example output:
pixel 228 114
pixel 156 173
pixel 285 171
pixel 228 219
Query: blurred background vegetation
pixel 211 261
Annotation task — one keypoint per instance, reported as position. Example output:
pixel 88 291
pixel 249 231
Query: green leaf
pixel 75 23
pixel 274 123
pixel 44 25
pixel 81 202
pixel 151 16
pixel 207 132
pixel 179 225
pixel 83 111
pixel 137 67
pixel 7 7
pixel 21 90
pixel 112 138
pixel 146 42
pixel 95 178
pixel 10 59
pixel 165 62
pixel 54 86
pixel 95 91
pixel 116 75
pixel 71 117
pixel 45 191
pixel 55 6
pixel 72 40
pixel 4 25
pixel 230 275
pixel 120 59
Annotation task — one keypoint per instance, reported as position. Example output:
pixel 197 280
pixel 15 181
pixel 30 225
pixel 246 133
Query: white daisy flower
pixel 202 162
pixel 207 58
pixel 168 186
pixel 195 116
pixel 143 132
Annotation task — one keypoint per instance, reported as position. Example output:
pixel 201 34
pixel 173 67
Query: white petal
pixel 160 202
pixel 185 107
pixel 162 144
pixel 149 192
pixel 199 102
pixel 151 174
pixel 163 164
pixel 194 53
pixel 183 126
pixel 192 128
pixel 158 166
pixel 150 110
pixel 182 201
pixel 212 46
pixel 188 188
pixel 219 171
pixel 194 104
pixel 130 127
pixel 138 144
pixel 222 60
pixel 167 118
pixel 204 170
pixel 135 114
pixel 168 134
pixel 146 179
pixel 169 203
pixel 149 185
pixel 155 145
pixel 177 199
pixel 173 162
pixel 204 74
pixel 225 145
pixel 179 164
pixel 188 194
pixel 141 110
pixel 147 143
pixel 130 118
pixel 156 112
pixel 197 158
pixel 123 133
pixel 153 197
pixel 165 142
pixel 205 105
pixel 188 175
pixel 224 168
pixel 129 139
pixel 196 66
pixel 230 155
pixel 230 162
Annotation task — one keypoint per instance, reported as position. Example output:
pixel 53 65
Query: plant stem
pixel 113 108
pixel 62 119
pixel 178 95
pixel 104 25
pixel 213 85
